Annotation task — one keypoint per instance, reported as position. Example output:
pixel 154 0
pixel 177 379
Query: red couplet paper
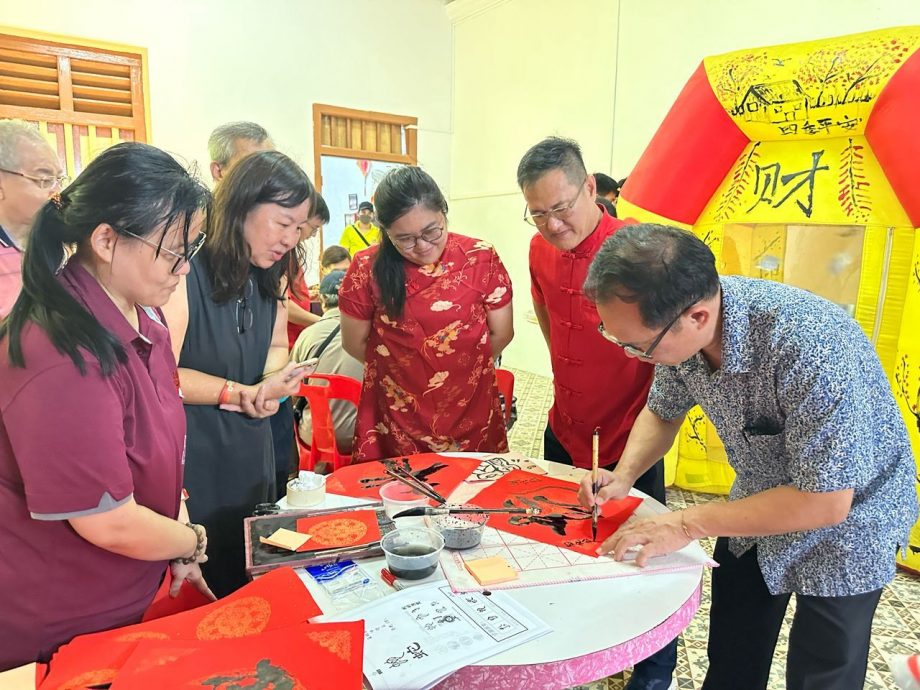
pixel 354 528
pixel 323 656
pixel 164 605
pixel 276 600
pixel 562 521
pixel 364 480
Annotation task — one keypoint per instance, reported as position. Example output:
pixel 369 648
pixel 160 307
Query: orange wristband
pixel 225 392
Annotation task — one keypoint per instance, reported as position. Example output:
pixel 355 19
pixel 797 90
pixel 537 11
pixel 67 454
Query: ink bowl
pixel 412 552
pixel 398 497
pixel 462 530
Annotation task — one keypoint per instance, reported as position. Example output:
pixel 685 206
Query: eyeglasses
pixel 44 183
pixel 429 236
pixel 632 349
pixel 312 230
pixel 560 212
pixel 243 310
pixel 181 259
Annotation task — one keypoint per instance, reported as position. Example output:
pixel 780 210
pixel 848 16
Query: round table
pixel 599 627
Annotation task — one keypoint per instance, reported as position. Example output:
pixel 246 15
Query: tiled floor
pixel 896 629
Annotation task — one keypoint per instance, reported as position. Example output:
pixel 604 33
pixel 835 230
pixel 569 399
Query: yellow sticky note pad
pixel 285 539
pixel 491 571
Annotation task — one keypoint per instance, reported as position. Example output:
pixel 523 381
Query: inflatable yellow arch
pixel 797 163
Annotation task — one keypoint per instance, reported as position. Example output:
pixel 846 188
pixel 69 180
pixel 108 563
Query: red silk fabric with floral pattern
pixel 429 379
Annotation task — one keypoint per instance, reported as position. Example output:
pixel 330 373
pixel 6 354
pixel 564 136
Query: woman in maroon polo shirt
pixel 92 430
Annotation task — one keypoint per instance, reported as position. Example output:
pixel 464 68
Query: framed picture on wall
pixel 352 202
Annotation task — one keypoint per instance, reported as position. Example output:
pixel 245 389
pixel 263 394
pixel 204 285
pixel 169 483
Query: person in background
pixel 428 311
pixel 607 204
pixel 335 258
pixel 232 141
pixel 229 325
pixel 595 384
pixel 30 172
pixel 824 491
pixel 92 432
pixel 362 233
pixel 299 318
pixel 607 187
pixel 299 298
pixel 324 340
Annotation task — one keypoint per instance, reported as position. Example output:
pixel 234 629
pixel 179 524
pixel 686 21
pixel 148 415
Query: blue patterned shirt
pixel 801 400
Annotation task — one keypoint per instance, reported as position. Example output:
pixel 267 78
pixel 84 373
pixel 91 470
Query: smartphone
pixel 309 365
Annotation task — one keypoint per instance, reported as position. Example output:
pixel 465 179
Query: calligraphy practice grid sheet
pixel 416 637
pixel 541 563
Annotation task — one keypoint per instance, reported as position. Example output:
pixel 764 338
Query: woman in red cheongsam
pixel 428 311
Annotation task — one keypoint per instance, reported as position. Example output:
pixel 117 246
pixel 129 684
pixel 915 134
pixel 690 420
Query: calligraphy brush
pixel 421 482
pixel 417 486
pixel 595 451
pixel 420 511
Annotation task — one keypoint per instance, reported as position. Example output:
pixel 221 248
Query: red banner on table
pixel 562 520
pixel 164 605
pixel 364 480
pixel 352 528
pixel 276 600
pixel 324 656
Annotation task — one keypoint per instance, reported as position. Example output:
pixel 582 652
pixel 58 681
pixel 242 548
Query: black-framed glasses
pixel 44 183
pixel 244 309
pixel 430 236
pixel 560 212
pixel 181 259
pixel 632 349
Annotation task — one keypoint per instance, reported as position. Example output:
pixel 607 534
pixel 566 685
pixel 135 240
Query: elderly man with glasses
pixel 595 383
pixel 824 491
pixel 30 172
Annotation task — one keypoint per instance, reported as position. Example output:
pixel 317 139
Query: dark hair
pixel 263 177
pixel 662 268
pixel 607 204
pixel 621 183
pixel 334 254
pixel 401 190
pixel 553 153
pixel 605 184
pixel 319 209
pixel 133 187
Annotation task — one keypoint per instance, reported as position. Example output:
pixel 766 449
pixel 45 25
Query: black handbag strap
pixel 363 238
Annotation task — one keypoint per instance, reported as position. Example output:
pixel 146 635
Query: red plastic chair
pixel 322 446
pixel 505 381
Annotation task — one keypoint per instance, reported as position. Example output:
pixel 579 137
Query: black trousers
pixel 660 665
pixel 828 642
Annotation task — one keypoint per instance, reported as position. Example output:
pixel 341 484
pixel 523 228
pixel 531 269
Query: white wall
pixel 523 70
pixel 211 61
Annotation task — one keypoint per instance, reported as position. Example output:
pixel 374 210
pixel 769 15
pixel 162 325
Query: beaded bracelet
pixel 199 546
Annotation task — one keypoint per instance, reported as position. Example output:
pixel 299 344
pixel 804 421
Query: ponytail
pixel 390 273
pixel 135 188
pixel 44 300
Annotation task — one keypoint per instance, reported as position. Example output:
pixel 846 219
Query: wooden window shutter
pixel 83 99
pixel 362 134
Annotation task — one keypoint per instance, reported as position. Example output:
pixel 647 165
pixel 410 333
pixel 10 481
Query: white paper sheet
pixel 416 637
